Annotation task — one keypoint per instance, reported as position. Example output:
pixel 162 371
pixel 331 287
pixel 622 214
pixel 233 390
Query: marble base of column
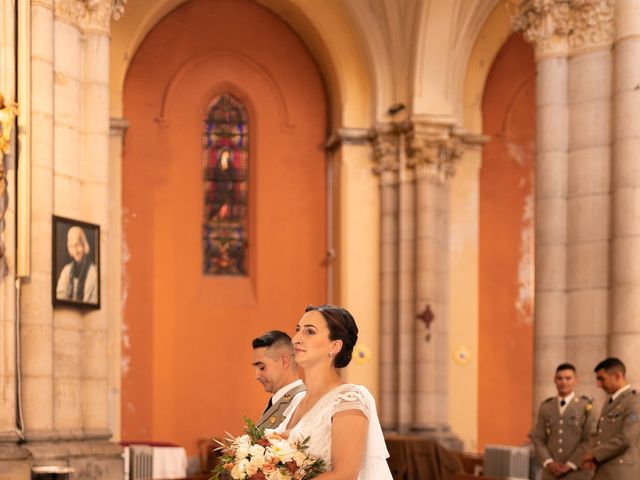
pixel 89 459
pixel 15 462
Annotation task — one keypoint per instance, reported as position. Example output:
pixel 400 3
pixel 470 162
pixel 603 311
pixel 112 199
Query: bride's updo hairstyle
pixel 341 326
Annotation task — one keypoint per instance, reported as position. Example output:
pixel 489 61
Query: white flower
pixel 283 449
pixel 252 469
pixel 300 458
pixel 236 474
pixel 256 451
pixel 279 475
pixel 258 461
pixel 242 452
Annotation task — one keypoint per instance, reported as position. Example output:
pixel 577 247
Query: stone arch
pixel 327 29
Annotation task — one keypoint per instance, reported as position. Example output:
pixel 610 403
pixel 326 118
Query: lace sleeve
pixel 349 400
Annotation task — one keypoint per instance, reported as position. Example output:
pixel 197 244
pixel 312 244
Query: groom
pixel 276 370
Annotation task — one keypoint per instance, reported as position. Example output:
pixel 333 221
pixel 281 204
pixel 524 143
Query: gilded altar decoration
pixel 8 113
pixel 225 178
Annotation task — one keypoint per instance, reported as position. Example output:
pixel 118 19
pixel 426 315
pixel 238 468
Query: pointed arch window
pixel 225 178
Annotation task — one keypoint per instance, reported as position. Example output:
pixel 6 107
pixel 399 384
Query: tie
pixel 269 405
pixel 610 399
pixel 563 402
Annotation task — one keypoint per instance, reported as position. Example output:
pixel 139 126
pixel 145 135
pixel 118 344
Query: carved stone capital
pixel 386 151
pixel 90 15
pixel 433 151
pixel 593 25
pixel 558 27
pixel 544 23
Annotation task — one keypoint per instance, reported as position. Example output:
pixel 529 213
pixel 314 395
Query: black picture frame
pixel 75 280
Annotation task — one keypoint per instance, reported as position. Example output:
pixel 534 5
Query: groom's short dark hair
pixel 271 338
pixel 611 364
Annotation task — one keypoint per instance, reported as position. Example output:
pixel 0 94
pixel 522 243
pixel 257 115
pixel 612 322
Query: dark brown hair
pixel 341 326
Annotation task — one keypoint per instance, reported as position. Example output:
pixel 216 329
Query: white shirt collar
pixel 280 393
pixel 620 391
pixel 566 399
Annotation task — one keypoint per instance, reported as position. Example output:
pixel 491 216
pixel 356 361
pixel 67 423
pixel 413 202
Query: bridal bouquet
pixel 266 455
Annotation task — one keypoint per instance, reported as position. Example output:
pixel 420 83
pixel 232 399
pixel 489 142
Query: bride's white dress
pixel 316 424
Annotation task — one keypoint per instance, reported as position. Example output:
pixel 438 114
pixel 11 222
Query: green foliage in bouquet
pixel 262 454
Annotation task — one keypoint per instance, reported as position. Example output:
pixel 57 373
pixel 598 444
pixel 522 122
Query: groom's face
pixel 269 369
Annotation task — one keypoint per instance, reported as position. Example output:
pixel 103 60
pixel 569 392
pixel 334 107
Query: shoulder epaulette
pixel 588 398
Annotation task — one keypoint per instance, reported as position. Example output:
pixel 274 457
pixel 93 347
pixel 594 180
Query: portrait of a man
pixel 75 263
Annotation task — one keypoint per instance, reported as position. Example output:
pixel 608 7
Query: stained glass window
pixel 225 177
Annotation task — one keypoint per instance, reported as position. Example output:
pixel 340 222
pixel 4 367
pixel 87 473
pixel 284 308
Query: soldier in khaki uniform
pixel 563 428
pixel 615 450
pixel 273 360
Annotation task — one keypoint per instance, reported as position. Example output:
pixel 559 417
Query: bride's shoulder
pixel 349 396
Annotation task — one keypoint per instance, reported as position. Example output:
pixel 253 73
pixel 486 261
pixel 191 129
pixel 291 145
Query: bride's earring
pixel 331 354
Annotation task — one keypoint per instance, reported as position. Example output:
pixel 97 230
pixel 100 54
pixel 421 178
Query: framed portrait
pixel 76 263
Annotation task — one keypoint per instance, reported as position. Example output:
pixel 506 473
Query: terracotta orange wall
pixel 506 248
pixel 187 342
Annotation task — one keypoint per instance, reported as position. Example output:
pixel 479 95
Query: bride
pixel 340 418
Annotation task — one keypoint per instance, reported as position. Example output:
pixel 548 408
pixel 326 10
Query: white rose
pixel 283 450
pixel 251 470
pixel 256 451
pixel 236 474
pixel 242 452
pixel 258 461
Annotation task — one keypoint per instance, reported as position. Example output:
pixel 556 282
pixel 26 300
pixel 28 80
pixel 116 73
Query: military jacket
pixel 274 415
pixel 616 445
pixel 565 438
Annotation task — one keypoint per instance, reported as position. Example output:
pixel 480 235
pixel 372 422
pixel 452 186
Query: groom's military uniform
pixel 564 438
pixel 616 445
pixel 274 414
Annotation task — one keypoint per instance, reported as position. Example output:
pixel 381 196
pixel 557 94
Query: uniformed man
pixel 563 428
pixel 615 450
pixel 273 360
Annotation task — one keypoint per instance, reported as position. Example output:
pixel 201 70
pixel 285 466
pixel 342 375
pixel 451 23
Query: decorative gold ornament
pixel 361 354
pixel 461 355
pixel 8 113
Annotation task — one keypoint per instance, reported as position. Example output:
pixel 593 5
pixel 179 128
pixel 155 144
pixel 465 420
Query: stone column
pixel 8 384
pixel 406 288
pixel 546 24
pixel 94 194
pixel 36 312
pixel 118 128
pixel 386 147
pixel 67 185
pixel 433 151
pixel 588 200
pixel 625 277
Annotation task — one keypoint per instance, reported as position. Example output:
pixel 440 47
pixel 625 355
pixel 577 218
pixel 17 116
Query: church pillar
pixel 433 151
pixel 94 194
pixel 117 130
pixel 406 313
pixel 65 350
pixel 386 143
pixel 546 25
pixel 10 456
pixel 588 200
pixel 67 184
pixel 36 312
pixel 625 278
